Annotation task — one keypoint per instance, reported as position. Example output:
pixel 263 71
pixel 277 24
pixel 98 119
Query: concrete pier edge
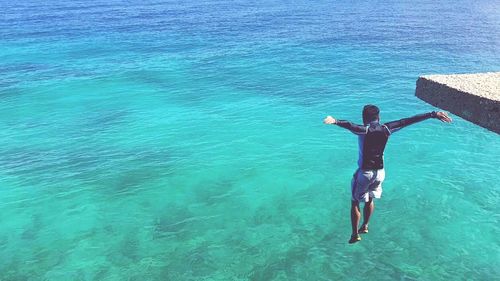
pixel 474 97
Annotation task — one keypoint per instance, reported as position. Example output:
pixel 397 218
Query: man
pixel 367 180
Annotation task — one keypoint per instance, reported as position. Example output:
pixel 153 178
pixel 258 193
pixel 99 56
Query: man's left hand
pixel 329 120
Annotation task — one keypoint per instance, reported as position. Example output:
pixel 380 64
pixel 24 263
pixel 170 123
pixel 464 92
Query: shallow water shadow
pixel 215 193
pixel 172 222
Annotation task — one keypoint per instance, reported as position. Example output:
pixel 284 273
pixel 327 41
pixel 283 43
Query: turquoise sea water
pixel 163 140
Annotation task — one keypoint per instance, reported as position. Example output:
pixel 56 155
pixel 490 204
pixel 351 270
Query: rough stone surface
pixel 474 97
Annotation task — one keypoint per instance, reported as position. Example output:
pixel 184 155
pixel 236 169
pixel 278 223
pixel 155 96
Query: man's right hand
pixel 443 116
pixel 329 120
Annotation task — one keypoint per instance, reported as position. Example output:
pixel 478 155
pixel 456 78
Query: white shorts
pixel 367 184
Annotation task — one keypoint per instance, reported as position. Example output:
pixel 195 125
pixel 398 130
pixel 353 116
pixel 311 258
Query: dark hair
pixel 370 113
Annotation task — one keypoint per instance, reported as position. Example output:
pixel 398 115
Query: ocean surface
pixel 183 140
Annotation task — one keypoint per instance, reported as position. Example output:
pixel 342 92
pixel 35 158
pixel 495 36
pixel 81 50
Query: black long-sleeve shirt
pixel 373 137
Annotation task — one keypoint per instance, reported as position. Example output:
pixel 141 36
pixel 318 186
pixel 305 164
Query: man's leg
pixel 355 216
pixel 367 212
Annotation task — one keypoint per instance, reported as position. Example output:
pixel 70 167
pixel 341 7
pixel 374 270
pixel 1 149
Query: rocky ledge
pixel 474 97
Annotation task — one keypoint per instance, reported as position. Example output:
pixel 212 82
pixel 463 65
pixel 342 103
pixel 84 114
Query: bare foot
pixel 363 229
pixel 354 238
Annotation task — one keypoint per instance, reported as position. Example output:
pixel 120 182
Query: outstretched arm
pixel 355 128
pixel 394 126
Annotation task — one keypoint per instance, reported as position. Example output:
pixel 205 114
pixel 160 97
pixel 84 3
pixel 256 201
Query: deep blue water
pixel 171 140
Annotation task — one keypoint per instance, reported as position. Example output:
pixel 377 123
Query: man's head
pixel 370 113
